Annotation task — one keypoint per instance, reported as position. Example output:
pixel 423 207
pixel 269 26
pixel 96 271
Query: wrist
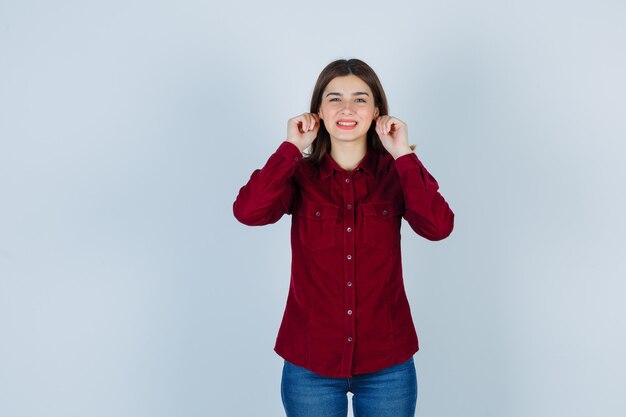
pixel 297 144
pixel 402 152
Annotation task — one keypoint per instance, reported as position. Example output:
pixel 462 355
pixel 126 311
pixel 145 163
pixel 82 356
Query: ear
pixel 319 113
pixel 376 113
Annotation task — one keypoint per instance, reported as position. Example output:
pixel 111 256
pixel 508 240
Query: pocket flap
pixel 321 211
pixel 383 209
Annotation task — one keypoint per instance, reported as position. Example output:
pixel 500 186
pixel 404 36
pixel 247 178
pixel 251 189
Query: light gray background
pixel 127 128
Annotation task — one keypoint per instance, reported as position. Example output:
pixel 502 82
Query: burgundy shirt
pixel 347 312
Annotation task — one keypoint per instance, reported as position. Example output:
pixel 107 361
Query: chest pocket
pixel 318 222
pixel 381 223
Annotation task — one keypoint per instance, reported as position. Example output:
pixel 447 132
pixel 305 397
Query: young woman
pixel 347 324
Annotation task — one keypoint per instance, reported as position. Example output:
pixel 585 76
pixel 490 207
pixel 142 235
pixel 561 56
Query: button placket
pixel 349 265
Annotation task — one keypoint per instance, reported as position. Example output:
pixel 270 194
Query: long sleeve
pixel 427 212
pixel 268 194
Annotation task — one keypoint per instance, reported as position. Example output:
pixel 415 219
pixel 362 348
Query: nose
pixel 347 109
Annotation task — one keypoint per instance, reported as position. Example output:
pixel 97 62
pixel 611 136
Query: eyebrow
pixel 358 93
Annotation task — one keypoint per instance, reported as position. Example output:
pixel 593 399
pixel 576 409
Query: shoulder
pixel 307 174
pixel 386 164
pixel 307 169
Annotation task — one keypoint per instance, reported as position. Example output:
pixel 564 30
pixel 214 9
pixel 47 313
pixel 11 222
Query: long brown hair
pixel 340 68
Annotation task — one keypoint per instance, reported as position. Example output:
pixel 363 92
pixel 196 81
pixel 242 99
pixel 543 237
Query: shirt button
pixel 296 158
pixel 349 229
pixel 384 212
pixel 349 257
pixel 349 283
pixel 317 213
pixel 349 312
pixel 349 206
pixel 347 180
pixel 349 339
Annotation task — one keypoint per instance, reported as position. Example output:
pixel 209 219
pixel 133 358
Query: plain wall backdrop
pixel 127 288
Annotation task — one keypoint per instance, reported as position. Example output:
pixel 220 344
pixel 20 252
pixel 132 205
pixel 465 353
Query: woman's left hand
pixel 393 134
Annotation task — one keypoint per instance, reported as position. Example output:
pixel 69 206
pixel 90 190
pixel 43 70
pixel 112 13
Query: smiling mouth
pixel 346 125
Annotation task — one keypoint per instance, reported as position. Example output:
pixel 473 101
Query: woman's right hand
pixel 302 130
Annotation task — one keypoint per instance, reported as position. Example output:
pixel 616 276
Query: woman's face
pixel 347 109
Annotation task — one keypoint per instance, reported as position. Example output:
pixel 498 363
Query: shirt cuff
pixel 406 162
pixel 289 152
pixel 408 166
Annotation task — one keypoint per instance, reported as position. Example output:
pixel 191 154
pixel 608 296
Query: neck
pixel 348 154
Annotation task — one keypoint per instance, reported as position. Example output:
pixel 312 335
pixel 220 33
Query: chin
pixel 351 137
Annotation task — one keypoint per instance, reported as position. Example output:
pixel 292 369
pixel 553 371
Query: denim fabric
pixel 390 392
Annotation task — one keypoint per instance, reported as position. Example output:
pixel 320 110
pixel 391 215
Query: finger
pixel 303 123
pixel 311 120
pixel 316 121
pixel 380 125
pixel 297 121
pixel 387 125
pixel 379 122
pixel 302 119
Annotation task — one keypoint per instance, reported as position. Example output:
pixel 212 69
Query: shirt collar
pixel 367 164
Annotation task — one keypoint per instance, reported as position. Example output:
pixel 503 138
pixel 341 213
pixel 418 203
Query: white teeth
pixel 346 123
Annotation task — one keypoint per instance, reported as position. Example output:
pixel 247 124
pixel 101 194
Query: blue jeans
pixel 390 392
